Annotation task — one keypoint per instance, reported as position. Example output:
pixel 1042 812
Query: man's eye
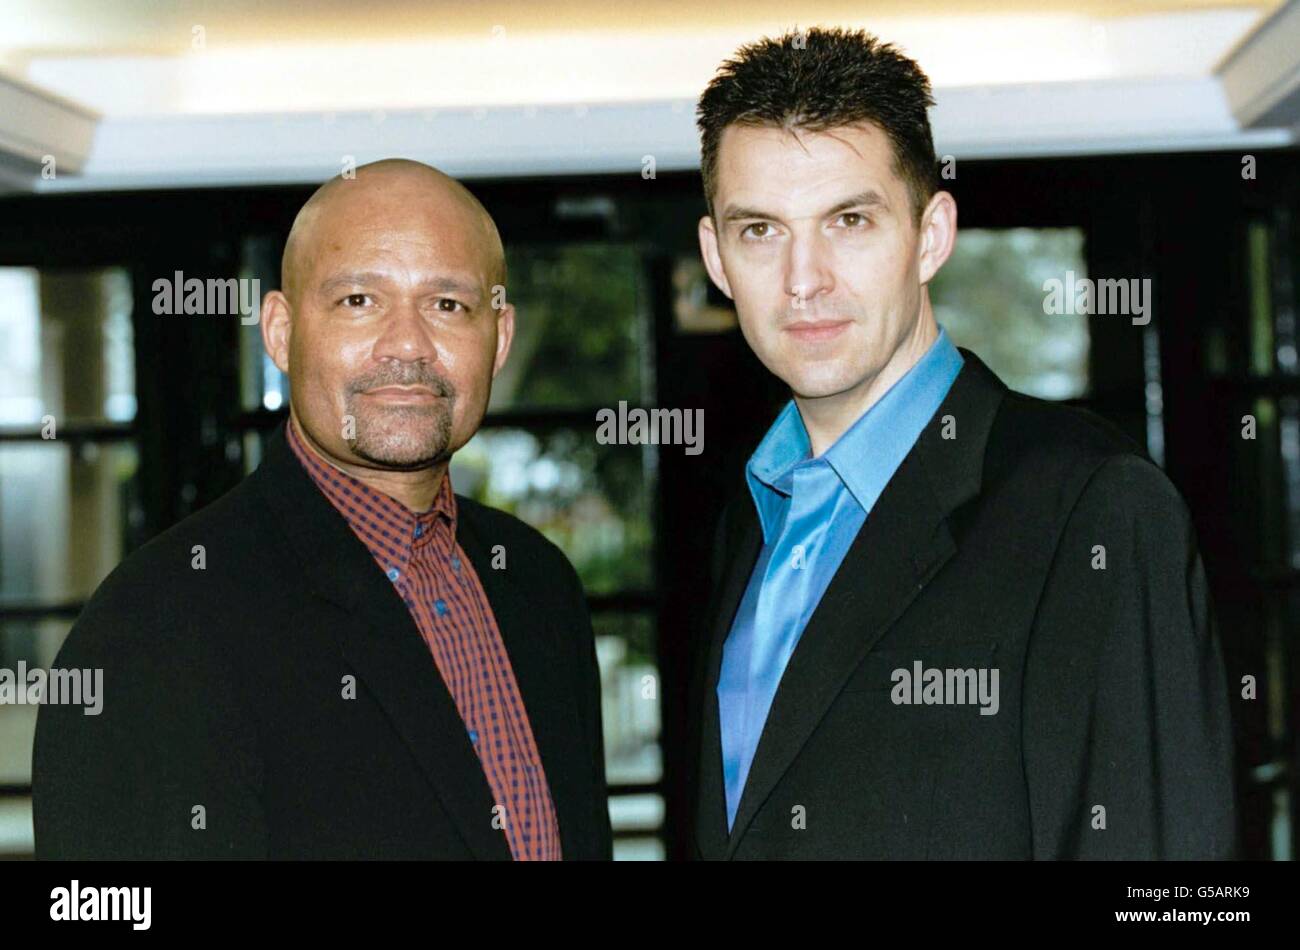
pixel 759 229
pixel 355 300
pixel 854 219
pixel 448 305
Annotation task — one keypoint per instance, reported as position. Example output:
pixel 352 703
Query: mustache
pixel 410 375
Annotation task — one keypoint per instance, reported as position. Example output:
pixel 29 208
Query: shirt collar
pixel 387 527
pixel 866 456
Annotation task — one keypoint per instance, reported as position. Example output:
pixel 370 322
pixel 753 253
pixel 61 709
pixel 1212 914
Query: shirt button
pixel 473 736
pixel 394 573
pixel 419 530
pixel 440 606
pixel 455 563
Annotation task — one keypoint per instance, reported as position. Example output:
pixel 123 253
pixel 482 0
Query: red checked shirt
pixel 420 555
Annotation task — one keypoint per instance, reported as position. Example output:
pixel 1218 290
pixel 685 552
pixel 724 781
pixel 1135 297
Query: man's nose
pixel 808 271
pixel 407 335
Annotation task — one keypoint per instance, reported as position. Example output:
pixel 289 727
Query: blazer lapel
pixel 743 540
pixel 537 655
pixel 904 542
pixel 392 659
pixel 382 643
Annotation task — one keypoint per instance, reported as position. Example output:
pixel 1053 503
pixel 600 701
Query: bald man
pixel 341 658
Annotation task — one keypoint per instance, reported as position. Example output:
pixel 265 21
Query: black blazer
pixel 982 552
pixel 224 688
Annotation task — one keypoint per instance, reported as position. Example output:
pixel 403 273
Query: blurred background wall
pixel 1146 140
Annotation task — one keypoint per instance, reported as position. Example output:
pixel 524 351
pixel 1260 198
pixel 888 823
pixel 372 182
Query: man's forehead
pixel 780 162
pixel 412 241
pixel 770 171
pixel 395 264
pixel 405 209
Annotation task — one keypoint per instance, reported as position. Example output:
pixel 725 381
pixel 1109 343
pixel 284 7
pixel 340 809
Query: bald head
pixel 396 191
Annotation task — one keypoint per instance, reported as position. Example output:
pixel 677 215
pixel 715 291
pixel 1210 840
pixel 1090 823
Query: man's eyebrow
pixel 352 279
pixel 435 284
pixel 863 199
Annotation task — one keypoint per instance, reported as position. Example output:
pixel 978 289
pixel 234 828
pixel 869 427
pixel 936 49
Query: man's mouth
pixel 402 394
pixel 816 331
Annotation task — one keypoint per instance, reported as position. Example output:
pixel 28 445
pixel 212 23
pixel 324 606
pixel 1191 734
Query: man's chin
pixel 400 456
pixel 402 440
pixel 406 449
pixel 821 385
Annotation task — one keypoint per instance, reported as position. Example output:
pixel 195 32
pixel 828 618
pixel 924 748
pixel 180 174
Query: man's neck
pixel 826 418
pixel 415 489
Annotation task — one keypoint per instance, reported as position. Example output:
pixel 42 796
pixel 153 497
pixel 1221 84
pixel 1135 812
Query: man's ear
pixel 712 259
pixel 277 327
pixel 505 336
pixel 938 234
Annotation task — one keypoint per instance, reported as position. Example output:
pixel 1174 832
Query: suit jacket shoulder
pixel 514 534
pixel 1053 453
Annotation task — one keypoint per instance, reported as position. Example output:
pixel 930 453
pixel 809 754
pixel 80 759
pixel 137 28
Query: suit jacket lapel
pixel 743 540
pixel 392 659
pixel 904 542
pixel 381 641
pixel 901 545
pixel 538 655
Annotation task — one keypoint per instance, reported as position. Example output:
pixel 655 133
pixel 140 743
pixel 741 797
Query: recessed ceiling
pixel 128 93
pixel 129 57
pixel 164 26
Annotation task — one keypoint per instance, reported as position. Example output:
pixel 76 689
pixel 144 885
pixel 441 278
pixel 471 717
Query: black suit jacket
pixel 1113 734
pixel 224 688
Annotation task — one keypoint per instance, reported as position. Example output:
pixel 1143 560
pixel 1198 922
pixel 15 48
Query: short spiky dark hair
pixel 819 80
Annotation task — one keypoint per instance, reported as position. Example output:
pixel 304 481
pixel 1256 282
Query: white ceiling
pixel 164 25
pixel 182 91
pixel 184 57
